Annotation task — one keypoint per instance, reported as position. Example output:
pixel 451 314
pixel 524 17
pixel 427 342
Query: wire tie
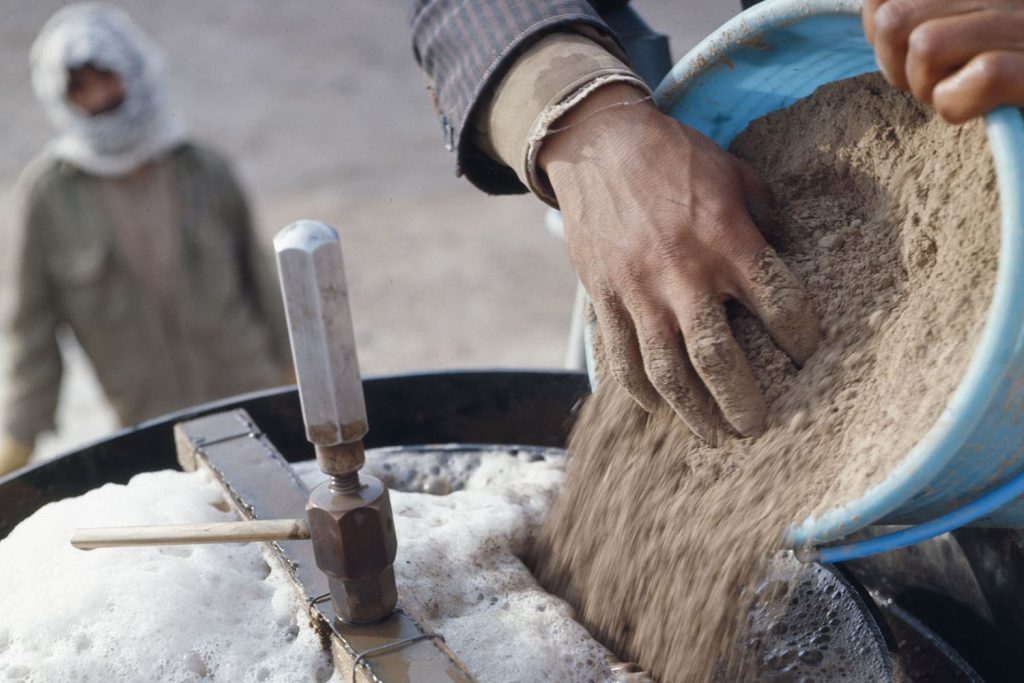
pixel 388 647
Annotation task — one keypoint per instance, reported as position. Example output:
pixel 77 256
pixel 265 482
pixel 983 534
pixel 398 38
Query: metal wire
pixel 388 647
pixel 318 599
pixel 250 434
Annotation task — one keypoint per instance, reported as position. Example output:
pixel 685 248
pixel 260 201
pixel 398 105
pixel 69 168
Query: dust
pixel 889 217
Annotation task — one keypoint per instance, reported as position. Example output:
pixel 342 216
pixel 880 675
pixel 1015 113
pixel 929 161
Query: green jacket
pixel 65 268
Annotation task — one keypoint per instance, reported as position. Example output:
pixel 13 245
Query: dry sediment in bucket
pixel 890 219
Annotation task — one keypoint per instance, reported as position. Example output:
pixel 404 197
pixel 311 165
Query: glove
pixel 13 454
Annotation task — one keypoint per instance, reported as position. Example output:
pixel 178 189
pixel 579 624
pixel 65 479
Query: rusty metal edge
pixel 220 444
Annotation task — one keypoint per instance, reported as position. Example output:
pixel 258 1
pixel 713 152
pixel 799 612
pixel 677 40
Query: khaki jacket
pixel 65 269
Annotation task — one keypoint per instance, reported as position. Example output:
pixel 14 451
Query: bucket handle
pixel 976 509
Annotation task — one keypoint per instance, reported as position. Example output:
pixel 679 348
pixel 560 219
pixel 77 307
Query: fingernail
pixel 646 407
pixel 751 425
pixel 706 432
pixel 753 431
pixel 711 438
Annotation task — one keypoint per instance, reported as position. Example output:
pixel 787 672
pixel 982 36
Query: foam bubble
pixel 146 614
pixel 804 626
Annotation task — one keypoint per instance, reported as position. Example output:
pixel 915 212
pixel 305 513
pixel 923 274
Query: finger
pixel 670 372
pixel 989 80
pixel 867 17
pixel 939 47
pixel 723 367
pixel 895 20
pixel 621 352
pixel 775 295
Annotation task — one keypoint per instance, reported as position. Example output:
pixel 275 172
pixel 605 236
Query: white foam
pixel 179 613
pixel 217 612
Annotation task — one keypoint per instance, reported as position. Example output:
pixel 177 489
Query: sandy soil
pixel 322 108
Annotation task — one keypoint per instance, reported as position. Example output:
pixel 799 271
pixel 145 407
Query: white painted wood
pixel 312 275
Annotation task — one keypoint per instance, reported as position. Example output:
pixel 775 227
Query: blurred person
pixel 662 224
pixel 133 237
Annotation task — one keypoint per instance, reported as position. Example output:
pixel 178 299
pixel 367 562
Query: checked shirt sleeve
pixel 465 47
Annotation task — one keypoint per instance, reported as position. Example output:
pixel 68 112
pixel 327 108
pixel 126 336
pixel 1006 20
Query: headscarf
pixel 142 127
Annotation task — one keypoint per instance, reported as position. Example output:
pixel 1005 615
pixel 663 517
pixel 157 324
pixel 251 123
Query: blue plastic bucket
pixel 765 59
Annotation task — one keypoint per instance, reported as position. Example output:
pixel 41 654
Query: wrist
pixel 613 137
pixel 584 124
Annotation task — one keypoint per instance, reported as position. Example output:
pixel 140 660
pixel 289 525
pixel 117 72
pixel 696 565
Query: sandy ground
pixel 323 111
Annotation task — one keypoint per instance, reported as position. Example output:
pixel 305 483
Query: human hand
pixel 13 454
pixel 964 57
pixel 658 224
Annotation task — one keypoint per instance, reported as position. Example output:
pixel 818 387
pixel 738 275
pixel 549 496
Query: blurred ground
pixel 323 111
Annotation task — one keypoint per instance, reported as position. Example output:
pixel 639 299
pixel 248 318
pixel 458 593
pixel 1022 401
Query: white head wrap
pixel 142 127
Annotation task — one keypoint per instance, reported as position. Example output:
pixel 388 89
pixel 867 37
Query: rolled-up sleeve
pixel 545 82
pixel 465 46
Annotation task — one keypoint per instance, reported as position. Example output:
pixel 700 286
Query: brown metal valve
pixel 354 543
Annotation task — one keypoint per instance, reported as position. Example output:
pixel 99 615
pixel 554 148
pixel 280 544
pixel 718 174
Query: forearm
pixel 593 121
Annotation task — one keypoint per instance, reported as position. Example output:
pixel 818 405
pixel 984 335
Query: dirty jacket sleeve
pixel 258 272
pixel 465 46
pixel 32 366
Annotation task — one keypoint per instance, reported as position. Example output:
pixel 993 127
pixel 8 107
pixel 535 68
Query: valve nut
pixel 353 534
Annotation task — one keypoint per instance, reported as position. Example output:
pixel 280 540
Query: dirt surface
pixel 890 219
pixel 321 107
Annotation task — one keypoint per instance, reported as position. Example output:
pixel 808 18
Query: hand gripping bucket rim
pixel 766 58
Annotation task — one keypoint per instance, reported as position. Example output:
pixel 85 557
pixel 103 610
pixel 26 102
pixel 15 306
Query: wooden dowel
pixel 183 534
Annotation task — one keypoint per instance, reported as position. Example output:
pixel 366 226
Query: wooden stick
pixel 182 534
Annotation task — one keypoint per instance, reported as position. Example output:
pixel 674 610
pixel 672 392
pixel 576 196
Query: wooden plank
pixel 259 484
